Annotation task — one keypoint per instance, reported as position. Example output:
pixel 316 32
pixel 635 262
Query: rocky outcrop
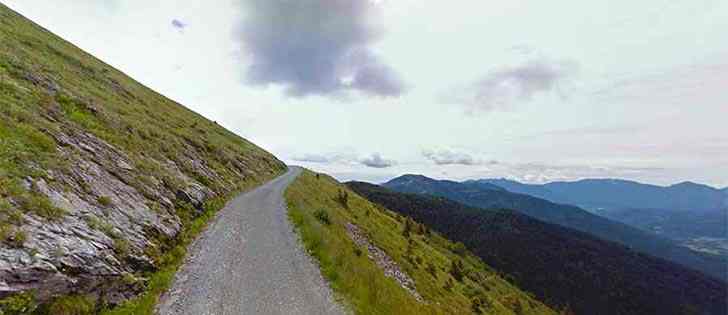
pixel 113 216
pixel 98 173
pixel 194 195
pixel 386 263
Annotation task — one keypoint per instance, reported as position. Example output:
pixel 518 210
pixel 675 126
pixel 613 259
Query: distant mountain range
pixel 693 215
pixel 674 224
pixel 561 266
pixel 601 194
pixel 490 196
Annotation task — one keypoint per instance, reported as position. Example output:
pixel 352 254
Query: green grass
pixel 170 261
pixel 105 201
pixel 425 256
pixel 50 90
pixel 72 305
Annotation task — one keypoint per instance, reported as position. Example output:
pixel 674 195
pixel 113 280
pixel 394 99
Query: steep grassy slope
pixel 562 266
pixel 99 175
pixel 475 195
pixel 448 278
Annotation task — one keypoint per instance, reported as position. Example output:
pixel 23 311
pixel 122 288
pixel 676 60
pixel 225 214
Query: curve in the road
pixel 249 261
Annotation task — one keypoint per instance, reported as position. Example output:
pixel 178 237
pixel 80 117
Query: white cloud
pixel 377 161
pixel 313 158
pixel 503 88
pixel 451 157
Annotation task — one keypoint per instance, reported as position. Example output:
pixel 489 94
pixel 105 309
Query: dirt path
pixel 249 261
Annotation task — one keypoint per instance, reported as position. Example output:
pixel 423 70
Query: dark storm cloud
pixel 315 47
pixel 377 161
pixel 502 88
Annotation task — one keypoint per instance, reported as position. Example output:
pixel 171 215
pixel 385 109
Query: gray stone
pixel 73 255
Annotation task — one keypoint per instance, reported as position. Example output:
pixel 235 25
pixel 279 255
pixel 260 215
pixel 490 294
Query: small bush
pixel 105 201
pixel 23 303
pixel 5 231
pixel 477 305
pixel 449 285
pixel 322 216
pixel 42 206
pixel 357 251
pixel 343 198
pixel 121 247
pixel 460 249
pixel 431 269
pixel 456 270
pixel 103 226
pixel 407 227
pixel 17 239
pixel 11 215
pixel 72 305
pixel 129 279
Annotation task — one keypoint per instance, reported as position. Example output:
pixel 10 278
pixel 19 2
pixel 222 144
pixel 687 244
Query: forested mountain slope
pixel 473 194
pixel 563 267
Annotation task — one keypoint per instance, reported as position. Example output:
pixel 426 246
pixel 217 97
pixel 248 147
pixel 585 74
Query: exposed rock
pixel 194 195
pixel 108 151
pixel 380 257
pixel 77 253
pixel 44 82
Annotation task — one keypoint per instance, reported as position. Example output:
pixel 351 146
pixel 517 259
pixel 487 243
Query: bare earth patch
pixel 390 267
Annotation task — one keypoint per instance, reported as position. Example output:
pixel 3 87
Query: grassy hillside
pixel 449 279
pixel 99 175
pixel 562 266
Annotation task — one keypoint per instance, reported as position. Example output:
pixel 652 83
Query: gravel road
pixel 249 261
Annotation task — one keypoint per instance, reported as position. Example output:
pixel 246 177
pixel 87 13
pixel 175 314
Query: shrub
pixel 5 230
pixel 105 201
pixel 103 226
pixel 42 206
pixel 477 305
pixel 72 305
pixel 357 251
pixel 456 270
pixel 431 269
pixel 343 198
pixel 407 227
pixel 17 239
pixel 121 247
pixel 12 215
pixel 460 249
pixel 322 216
pixel 23 303
pixel 449 285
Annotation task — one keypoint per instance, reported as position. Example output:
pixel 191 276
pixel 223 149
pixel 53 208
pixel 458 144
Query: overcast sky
pixel 368 90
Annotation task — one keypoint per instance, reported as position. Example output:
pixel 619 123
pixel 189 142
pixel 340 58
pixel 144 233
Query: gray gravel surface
pixel 249 261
